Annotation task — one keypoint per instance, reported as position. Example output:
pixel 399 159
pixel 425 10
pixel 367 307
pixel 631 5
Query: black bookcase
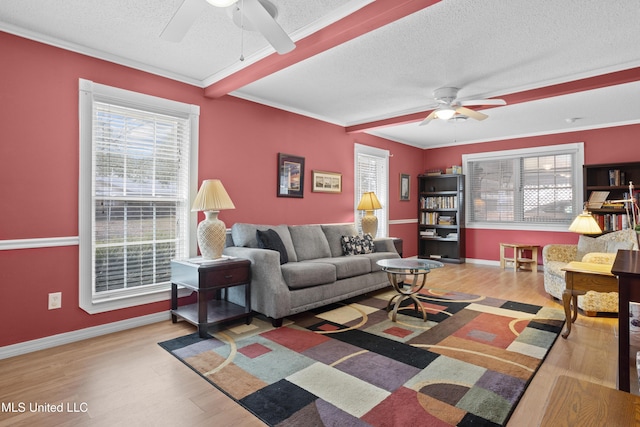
pixel 614 178
pixel 441 217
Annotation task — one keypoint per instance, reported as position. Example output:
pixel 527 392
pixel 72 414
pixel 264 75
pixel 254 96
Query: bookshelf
pixel 441 217
pixel 614 178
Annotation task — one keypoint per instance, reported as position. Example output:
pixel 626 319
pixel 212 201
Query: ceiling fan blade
pixel 428 119
pixel 268 27
pixel 182 20
pixel 483 102
pixel 471 113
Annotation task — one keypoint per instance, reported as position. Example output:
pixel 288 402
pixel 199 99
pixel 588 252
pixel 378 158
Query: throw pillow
pixel 270 239
pixel 589 244
pixel 356 245
pixel 615 246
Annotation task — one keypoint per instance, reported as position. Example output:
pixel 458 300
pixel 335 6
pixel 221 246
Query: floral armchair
pixel 599 250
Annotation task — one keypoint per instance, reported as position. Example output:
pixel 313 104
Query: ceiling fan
pixel 258 14
pixel 447 105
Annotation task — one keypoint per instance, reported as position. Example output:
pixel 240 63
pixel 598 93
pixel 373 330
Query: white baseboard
pixel 79 335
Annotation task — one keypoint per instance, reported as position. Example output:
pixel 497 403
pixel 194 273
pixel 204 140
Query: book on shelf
pixel 616 177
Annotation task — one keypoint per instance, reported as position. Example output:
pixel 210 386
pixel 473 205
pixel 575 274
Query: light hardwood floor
pixel 127 379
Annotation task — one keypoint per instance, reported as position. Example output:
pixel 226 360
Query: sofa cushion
pixel 270 239
pixel 347 266
pixel 309 242
pixel 357 245
pixel 600 257
pixel 244 235
pixel 599 244
pixel 305 274
pixel 377 256
pixel 334 233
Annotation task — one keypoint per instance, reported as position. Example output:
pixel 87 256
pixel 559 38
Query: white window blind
pixel 141 184
pixel 539 187
pixel 372 174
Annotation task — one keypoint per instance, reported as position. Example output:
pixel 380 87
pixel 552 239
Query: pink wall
pixel 239 143
pixel 610 145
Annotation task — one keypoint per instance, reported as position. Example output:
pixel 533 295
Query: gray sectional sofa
pixel 307 268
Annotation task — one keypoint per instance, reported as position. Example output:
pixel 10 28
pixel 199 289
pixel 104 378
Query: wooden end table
pixel 582 277
pixel 210 279
pixel 518 259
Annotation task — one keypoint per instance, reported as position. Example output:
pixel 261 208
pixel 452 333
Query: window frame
pixel 575 149
pixel 383 220
pixel 89 92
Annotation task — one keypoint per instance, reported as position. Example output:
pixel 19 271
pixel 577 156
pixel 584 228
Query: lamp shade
pixel 212 197
pixel 585 224
pixel 369 202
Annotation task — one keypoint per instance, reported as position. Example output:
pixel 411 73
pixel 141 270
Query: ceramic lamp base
pixel 212 234
pixel 370 224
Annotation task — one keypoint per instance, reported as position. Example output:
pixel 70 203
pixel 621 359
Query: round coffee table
pixel 398 268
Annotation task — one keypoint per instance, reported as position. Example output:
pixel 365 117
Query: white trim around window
pixel 90 95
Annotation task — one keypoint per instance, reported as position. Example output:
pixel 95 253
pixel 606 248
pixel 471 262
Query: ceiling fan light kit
pixel 447 106
pixel 221 3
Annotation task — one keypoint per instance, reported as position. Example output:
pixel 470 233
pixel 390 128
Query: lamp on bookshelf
pixel 368 203
pixel 585 223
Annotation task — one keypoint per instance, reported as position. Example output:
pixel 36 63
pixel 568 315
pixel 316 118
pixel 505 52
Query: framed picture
pixel 290 176
pixel 405 187
pixel 327 182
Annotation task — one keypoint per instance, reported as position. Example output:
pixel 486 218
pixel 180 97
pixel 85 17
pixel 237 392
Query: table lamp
pixel 585 224
pixel 368 203
pixel 211 198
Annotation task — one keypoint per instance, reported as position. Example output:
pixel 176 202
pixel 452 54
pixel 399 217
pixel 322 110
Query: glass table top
pixel 411 265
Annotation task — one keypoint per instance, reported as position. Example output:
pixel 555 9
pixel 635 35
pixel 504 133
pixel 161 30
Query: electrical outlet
pixel 55 300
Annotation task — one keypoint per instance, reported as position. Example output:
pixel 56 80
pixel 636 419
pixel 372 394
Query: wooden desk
pixel 582 277
pixel 627 268
pixel 575 402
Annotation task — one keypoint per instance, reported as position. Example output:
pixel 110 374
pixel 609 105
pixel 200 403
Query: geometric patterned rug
pixel 348 364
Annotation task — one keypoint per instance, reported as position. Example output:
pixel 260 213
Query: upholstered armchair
pixel 599 250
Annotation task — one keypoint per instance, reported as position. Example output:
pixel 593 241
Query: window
pixel 137 173
pixel 372 174
pixel 536 188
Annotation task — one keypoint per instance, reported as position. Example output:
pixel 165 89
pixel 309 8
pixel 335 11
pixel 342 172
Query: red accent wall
pixel 609 145
pixel 239 143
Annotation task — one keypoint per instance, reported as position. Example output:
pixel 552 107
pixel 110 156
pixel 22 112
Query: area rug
pixel 348 364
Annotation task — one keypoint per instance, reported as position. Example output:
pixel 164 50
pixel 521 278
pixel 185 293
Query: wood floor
pixel 127 379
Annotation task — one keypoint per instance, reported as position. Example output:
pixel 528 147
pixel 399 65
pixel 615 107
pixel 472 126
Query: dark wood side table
pixel 210 279
pixel 627 267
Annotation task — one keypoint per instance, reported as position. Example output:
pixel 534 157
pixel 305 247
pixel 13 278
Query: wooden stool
pixel 519 260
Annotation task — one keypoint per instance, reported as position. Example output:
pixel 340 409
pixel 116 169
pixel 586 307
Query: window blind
pixel 540 186
pixel 140 196
pixel 372 175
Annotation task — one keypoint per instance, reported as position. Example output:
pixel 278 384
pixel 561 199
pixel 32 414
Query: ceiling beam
pixel 364 20
pixel 580 85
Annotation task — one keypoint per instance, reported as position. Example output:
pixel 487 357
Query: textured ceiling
pixel 491 48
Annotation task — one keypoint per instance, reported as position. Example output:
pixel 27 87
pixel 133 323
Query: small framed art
pixel 327 182
pixel 405 187
pixel 290 176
